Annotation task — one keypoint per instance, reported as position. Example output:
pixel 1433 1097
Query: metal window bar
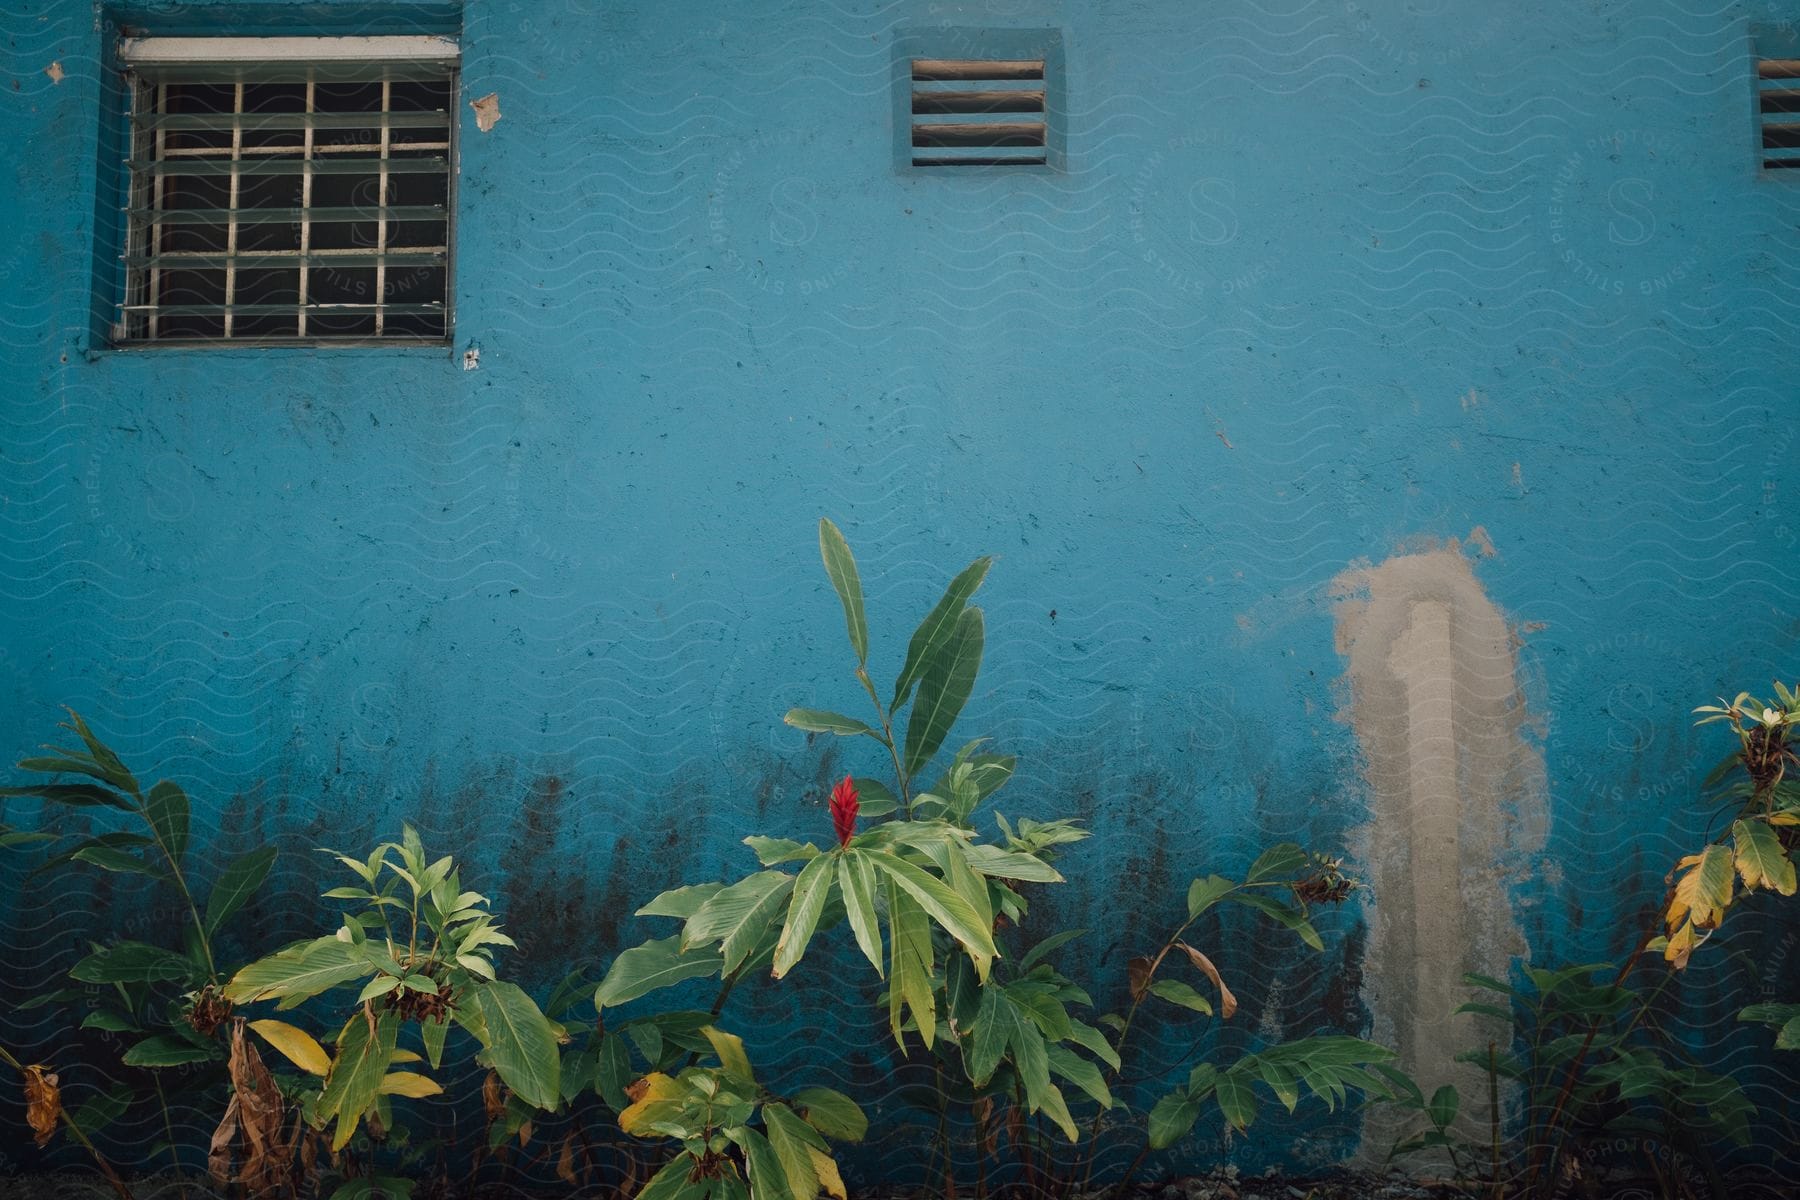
pixel 171 293
pixel 303 277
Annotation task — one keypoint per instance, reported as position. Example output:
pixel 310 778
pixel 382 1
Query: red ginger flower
pixel 843 810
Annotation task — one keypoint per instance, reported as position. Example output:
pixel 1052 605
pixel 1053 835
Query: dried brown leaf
pixel 218 1154
pixel 1227 1002
pixel 493 1096
pixel 1139 971
pixel 43 1102
pixel 565 1159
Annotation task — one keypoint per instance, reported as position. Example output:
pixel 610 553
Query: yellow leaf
pixel 657 1088
pixel 1701 896
pixel 1761 859
pixel 826 1170
pixel 1679 946
pixel 405 1056
pixel 1785 817
pixel 410 1084
pixel 730 1049
pixel 296 1045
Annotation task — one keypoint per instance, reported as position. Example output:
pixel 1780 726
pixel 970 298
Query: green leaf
pixel 612 1072
pixel 811 890
pixel 856 880
pixel 167 810
pixel 162 1051
pixel 768 1180
pixel 682 902
pixel 996 863
pixel 1444 1105
pixel 656 964
pixel 772 852
pixel 433 1034
pixel 1050 945
pixel 110 1022
pixel 833 1114
pixel 1282 914
pixel 1068 1065
pixel 817 720
pixel 355 1080
pixel 1204 893
pixel 521 1044
pixel 944 906
pixel 110 858
pixel 876 798
pixel 1171 1118
pixel 738 916
pixel 1176 992
pixel 237 883
pixel 101 752
pixel 945 682
pixel 1283 859
pixel 298 973
pixel 1761 861
pixel 789 1137
pixel 74 795
pixel 910 964
pixel 1236 1099
pixel 133 962
pixel 1094 1042
pixel 11 838
pixel 102 1110
pixel 840 567
pixel 70 763
pixel 938 626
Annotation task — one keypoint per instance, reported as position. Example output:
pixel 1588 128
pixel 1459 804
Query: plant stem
pixel 1494 1112
pixel 180 882
pixel 887 739
pixel 162 1098
pixel 106 1168
pixel 1580 1058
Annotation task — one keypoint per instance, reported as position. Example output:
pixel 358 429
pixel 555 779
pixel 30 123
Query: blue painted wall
pixel 1320 283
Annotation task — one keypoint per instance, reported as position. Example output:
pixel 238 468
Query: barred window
pixel 287 190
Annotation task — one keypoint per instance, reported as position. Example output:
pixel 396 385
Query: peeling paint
pixel 55 72
pixel 487 111
pixel 1457 799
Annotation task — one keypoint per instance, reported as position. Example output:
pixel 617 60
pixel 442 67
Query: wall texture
pixel 1385 423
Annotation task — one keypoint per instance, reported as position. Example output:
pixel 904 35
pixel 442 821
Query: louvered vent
pixel 978 112
pixel 1778 100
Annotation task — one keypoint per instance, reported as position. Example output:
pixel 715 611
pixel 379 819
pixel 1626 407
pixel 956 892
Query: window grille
pixel 947 92
pixel 288 190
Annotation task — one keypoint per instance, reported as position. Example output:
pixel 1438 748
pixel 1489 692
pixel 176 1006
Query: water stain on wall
pixel 1457 803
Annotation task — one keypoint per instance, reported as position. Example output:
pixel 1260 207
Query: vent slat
pixel 1784 136
pixel 1783 100
pixel 978 102
pixel 976 68
pixel 991 134
pixel 1778 68
pixel 982 160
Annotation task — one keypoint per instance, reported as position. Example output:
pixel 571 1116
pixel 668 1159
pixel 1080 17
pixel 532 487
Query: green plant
pixel 1757 848
pixel 1328 1066
pixel 1594 1064
pixel 739 1141
pixel 421 950
pixel 167 999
